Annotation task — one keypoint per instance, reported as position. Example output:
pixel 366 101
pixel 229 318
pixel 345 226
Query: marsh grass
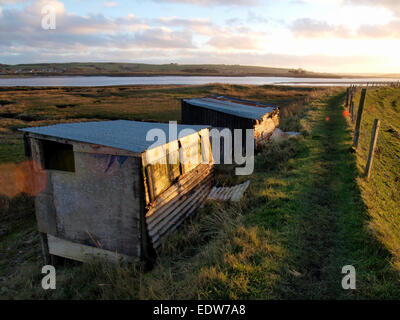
pixel 300 221
pixel 42 106
pixel 200 244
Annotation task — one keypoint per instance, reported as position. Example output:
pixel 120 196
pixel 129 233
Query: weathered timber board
pixel 80 252
pixel 234 193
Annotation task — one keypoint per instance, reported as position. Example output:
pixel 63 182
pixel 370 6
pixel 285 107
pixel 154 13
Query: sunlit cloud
pixel 390 30
pixel 311 28
pixel 241 42
pixel 391 5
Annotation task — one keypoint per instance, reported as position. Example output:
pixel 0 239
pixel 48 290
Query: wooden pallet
pixel 234 193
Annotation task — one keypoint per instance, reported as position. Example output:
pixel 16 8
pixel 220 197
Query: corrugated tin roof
pixel 119 134
pixel 237 107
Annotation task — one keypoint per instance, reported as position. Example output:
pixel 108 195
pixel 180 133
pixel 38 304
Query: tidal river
pixel 94 81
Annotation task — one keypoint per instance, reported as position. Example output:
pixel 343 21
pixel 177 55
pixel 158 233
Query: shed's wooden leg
pixel 45 248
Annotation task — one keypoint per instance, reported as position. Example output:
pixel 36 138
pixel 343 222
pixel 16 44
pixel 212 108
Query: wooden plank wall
pixel 197 115
pixel 264 129
pixel 161 170
pixel 178 202
pixel 161 167
pixel 100 208
pixel 170 199
pixel 90 206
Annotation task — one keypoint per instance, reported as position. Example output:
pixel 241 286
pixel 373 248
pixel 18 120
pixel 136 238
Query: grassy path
pixel 328 229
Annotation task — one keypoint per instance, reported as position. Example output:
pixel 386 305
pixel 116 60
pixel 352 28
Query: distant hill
pixel 394 75
pixel 141 69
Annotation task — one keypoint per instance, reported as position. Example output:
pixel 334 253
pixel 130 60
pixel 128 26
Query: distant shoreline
pixel 48 75
pixel 44 75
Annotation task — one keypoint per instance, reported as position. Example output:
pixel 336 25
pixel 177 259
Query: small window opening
pixel 58 156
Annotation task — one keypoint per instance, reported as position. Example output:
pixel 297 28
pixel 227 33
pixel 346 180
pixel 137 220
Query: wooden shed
pixel 108 190
pixel 232 113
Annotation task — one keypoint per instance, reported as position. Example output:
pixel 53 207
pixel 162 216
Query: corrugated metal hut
pixel 109 190
pixel 232 113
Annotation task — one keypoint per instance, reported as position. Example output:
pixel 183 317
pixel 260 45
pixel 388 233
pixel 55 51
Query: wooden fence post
pixel 372 147
pixel 352 110
pixel 358 121
pixel 347 97
pixel 351 96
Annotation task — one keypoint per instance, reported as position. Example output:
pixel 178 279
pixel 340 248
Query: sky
pixel 343 36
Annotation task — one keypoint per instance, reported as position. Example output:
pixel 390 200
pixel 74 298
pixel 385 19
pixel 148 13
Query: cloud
pixel 392 5
pixel 233 21
pixel 311 28
pixel 239 42
pixel 206 3
pixel 161 38
pixel 22 29
pixel 200 26
pixel 390 30
pixel 12 1
pixel 110 4
pixel 253 17
pixel 323 2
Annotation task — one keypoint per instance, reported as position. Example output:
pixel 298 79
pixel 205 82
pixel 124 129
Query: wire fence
pixel 385 181
pixel 388 147
pixel 393 84
pixel 379 147
pixel 387 157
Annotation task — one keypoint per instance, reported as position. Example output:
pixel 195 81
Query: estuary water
pixel 95 81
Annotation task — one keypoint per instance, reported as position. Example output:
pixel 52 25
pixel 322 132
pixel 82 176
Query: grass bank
pixel 381 193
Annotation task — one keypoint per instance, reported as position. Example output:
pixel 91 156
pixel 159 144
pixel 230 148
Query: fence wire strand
pixel 381 137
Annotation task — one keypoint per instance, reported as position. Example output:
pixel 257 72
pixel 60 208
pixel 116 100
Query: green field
pixel 308 211
pixel 142 69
